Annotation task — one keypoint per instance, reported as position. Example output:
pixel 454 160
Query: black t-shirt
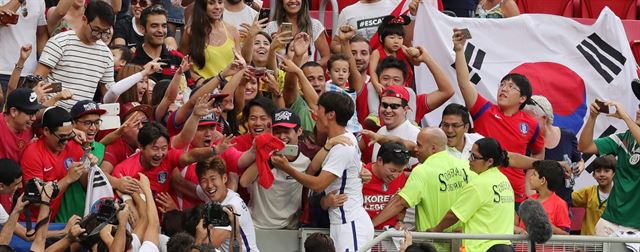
pixel 124 29
pixel 172 59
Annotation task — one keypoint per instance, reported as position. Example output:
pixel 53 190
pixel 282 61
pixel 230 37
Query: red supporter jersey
pixel 13 145
pixel 557 211
pixel 159 176
pixel 422 108
pixel 39 162
pixel 515 133
pixel 377 195
pixel 118 151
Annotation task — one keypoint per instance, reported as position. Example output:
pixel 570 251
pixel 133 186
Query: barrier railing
pixel 556 243
pixel 334 14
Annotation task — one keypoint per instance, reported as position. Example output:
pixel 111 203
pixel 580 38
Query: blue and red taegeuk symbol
pixel 563 87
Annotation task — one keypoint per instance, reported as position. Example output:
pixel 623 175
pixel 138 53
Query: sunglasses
pixel 392 105
pixel 142 3
pixel 454 125
pixel 66 138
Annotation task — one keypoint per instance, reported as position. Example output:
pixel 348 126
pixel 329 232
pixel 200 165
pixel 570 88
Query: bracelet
pixel 223 81
pixel 198 79
pixel 325 148
pixel 18 67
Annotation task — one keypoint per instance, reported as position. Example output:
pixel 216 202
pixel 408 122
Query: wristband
pixel 18 67
pixel 223 81
pixel 325 148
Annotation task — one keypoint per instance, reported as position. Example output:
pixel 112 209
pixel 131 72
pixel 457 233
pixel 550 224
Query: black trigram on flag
pixel 605 59
pixel 98 180
pixel 476 64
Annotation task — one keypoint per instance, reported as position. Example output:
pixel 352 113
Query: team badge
pixel 67 163
pixel 162 177
pixel 633 160
pixel 524 128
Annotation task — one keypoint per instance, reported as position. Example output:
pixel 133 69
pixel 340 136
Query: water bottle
pixel 569 178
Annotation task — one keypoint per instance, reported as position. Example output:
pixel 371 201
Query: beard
pixel 234 2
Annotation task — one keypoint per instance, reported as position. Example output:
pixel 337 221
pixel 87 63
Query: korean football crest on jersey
pixel 162 177
pixel 524 128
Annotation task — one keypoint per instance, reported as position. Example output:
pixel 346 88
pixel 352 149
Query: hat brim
pixel 31 108
pixel 145 109
pixel 93 111
pixel 285 124
pixel 204 123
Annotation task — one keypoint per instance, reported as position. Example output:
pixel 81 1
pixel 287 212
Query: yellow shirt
pixel 217 58
pixel 589 198
pixel 486 206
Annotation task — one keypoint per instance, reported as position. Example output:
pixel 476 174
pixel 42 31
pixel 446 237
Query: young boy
pixel 594 198
pixel 546 178
pixel 339 66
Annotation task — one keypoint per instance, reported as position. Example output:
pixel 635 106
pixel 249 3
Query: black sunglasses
pixel 474 157
pixel 392 105
pixel 64 139
pixel 142 3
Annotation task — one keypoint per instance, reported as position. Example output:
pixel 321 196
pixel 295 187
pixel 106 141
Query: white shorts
pixel 350 236
pixel 607 228
pixel 148 246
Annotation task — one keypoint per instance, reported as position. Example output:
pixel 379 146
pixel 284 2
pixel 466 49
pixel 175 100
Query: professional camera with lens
pixel 107 210
pixel 214 215
pixel 33 194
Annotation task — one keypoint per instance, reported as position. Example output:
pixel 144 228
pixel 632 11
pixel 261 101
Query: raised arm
pixel 445 90
pixel 56 13
pixel 203 107
pixel 299 47
pixel 25 51
pixel 171 93
pixel 9 226
pixel 152 234
pixel 355 78
pixel 585 143
pixel 469 92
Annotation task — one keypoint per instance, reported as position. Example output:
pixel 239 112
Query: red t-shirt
pixel 377 195
pixel 515 133
pixel 39 162
pixel 159 176
pixel 422 108
pixel 557 211
pixel 403 57
pixel 118 151
pixel 13 145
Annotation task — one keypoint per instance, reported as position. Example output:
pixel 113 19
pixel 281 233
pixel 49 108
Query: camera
pixel 214 215
pixel 107 210
pixel 33 195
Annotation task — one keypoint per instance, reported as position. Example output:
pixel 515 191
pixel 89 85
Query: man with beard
pixel 276 207
pixel 126 31
pixel 154 21
pixel 236 12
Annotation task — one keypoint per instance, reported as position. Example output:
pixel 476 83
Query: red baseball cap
pixel 396 91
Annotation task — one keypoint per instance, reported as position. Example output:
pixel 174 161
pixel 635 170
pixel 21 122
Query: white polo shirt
pixel 469 140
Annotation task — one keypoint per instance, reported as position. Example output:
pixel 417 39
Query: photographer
pixel 213 178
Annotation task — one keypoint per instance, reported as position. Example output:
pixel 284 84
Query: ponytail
pixel 490 148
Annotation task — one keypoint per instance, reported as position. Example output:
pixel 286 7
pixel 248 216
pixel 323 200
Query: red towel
pixel 265 145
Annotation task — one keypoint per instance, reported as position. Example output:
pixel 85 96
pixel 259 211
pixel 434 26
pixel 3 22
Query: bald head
pixel 430 141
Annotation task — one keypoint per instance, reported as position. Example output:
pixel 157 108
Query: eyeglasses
pixel 142 3
pixel 99 33
pixel 392 105
pixel 64 139
pixel 453 126
pixel 474 157
pixel 88 123
pixel 509 86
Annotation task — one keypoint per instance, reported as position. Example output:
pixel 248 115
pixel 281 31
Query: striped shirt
pixel 80 67
pixel 353 125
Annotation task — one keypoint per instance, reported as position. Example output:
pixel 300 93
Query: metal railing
pixel 590 243
pixel 334 14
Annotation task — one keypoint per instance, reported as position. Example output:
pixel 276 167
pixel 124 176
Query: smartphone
pixel 264 13
pixel 289 150
pixel 56 87
pixel 218 98
pixel 86 163
pixel 466 33
pixel 603 108
pixel 9 19
pixel 286 27
pixel 166 63
pixel 260 71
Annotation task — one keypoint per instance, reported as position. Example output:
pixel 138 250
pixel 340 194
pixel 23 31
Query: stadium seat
pixel 635 48
pixel 625 9
pixel 555 7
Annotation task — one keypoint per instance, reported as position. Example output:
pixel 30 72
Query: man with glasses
pixel 52 158
pixel 156 44
pixel 86 118
pixel 455 124
pixel 78 58
pixel 505 121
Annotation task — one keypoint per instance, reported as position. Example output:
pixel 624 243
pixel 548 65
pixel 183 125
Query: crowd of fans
pixel 209 119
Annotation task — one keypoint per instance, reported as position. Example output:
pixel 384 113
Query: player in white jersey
pixel 350 225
